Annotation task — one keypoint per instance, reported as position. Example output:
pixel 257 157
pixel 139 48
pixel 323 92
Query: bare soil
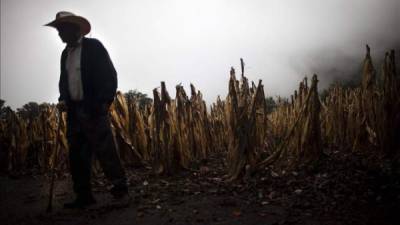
pixel 339 191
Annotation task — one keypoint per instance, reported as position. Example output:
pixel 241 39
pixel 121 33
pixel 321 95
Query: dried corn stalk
pixel 245 108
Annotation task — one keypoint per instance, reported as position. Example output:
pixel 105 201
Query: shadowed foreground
pixel 342 192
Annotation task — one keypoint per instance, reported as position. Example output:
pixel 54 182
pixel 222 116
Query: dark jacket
pixel 99 78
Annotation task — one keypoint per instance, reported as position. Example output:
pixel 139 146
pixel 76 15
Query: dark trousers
pixel 89 133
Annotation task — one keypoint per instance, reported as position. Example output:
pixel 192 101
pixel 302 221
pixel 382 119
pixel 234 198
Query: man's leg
pixel 80 162
pixel 103 146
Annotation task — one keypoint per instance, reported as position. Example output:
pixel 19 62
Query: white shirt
pixel 73 66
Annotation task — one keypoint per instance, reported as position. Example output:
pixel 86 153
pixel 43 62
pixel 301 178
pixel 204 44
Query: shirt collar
pixel 78 43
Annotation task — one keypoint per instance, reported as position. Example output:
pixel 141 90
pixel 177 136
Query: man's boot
pixel 81 201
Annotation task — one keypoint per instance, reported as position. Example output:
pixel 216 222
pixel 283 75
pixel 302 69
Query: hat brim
pixel 83 23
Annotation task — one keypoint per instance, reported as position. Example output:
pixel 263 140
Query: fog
pixel 184 41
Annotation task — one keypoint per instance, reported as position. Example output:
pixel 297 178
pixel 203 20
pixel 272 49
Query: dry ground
pixel 340 191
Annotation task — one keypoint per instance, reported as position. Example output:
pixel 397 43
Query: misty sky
pixel 184 41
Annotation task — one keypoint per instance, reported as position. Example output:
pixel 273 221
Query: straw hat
pixel 68 17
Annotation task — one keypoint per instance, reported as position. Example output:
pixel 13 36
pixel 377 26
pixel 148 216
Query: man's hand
pixel 62 106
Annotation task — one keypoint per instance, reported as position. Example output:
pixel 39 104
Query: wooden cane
pixel 53 168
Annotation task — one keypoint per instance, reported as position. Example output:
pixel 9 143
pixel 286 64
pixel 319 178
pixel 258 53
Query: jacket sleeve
pixel 62 84
pixel 106 74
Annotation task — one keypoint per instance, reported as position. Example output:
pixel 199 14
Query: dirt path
pixel 204 198
pixel 189 198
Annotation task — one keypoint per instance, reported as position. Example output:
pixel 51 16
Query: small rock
pixel 298 191
pixel 273 174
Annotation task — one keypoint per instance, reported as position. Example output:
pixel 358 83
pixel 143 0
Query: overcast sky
pixel 184 41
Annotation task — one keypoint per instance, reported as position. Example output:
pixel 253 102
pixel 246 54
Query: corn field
pixel 181 133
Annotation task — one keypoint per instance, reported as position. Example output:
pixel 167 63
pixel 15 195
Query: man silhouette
pixel 87 86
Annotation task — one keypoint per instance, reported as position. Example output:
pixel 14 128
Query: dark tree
pixel 29 111
pixel 3 108
pixel 271 104
pixel 141 98
pixel 349 84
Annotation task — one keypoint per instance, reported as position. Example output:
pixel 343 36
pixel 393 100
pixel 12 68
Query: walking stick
pixel 53 168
